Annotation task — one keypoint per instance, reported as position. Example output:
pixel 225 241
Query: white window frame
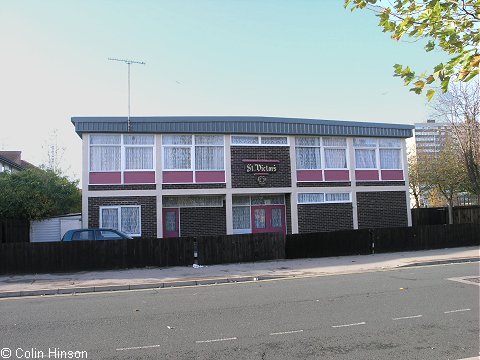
pixel 124 156
pixel 192 147
pixel 189 146
pixel 377 148
pixel 90 145
pixel 259 138
pixel 325 201
pixel 178 204
pixel 398 147
pixel 119 214
pixel 334 147
pixel 323 147
pixel 122 146
pixel 371 148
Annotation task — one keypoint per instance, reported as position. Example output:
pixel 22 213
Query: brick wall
pixel 324 217
pixel 380 183
pixel 148 211
pixel 122 187
pixel 382 209
pixel 240 178
pixel 203 221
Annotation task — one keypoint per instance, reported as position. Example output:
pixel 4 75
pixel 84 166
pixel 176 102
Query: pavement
pixel 151 278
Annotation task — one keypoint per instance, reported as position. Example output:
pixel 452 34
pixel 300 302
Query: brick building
pixel 193 176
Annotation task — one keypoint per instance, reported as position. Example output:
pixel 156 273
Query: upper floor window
pixel 117 152
pixel 255 140
pixel 378 153
pixel 390 151
pixel 138 152
pixel 312 152
pixel 189 152
pixel 105 152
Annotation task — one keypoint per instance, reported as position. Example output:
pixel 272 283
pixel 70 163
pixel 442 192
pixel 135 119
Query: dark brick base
pixel 382 209
pixel 203 221
pixel 148 211
pixel 324 217
pixel 380 183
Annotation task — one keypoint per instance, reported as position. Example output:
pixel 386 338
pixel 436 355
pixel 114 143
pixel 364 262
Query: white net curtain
pixel 241 217
pixel 123 218
pixel 389 153
pixel 207 151
pixel 106 152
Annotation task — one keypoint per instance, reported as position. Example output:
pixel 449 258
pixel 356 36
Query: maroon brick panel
pixel 203 221
pixel 193 186
pixel 240 178
pixel 324 217
pixel 122 187
pixel 148 211
pixel 382 209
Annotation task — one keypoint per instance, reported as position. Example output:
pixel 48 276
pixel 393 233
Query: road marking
pixel 470 280
pixel 138 347
pixel 215 340
pixel 355 324
pixel 472 358
pixel 286 332
pixel 454 311
pixel 407 317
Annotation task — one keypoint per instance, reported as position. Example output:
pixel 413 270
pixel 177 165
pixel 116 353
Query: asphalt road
pixel 410 313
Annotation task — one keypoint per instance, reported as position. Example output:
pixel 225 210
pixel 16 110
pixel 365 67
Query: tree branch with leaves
pixel 460 107
pixel 452 26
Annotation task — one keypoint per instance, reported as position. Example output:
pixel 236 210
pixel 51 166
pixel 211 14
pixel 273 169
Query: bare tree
pixel 445 173
pixel 54 154
pixel 460 106
pixel 416 177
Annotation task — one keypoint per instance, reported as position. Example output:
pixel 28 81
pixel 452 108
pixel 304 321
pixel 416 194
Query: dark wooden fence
pixel 120 254
pixel 381 240
pixel 425 237
pixel 439 216
pixel 14 231
pixel 336 243
pixel 240 248
pixel 94 255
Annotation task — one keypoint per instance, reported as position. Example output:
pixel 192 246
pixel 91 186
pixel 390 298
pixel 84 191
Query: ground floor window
pixel 126 219
pixel 258 213
pixel 320 198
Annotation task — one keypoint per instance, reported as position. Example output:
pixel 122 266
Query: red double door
pixel 268 218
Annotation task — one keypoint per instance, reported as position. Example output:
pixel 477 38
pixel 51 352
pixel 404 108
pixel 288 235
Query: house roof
pixel 238 125
pixel 14 159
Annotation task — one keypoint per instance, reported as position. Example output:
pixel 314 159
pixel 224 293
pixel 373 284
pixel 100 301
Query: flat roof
pixel 238 125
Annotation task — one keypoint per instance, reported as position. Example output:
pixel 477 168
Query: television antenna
pixel 128 62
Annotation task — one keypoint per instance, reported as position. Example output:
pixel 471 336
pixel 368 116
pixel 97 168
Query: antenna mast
pixel 128 62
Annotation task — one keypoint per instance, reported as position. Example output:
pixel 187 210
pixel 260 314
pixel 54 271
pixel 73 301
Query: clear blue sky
pixel 302 58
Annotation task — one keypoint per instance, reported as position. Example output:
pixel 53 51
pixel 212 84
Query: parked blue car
pixel 94 234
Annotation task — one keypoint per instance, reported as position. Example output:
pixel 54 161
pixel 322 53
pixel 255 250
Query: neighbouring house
pixel 206 175
pixel 53 229
pixel 12 161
